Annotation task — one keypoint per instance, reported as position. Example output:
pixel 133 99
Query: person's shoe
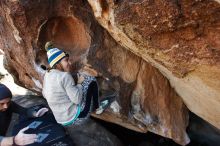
pixel 103 105
pixel 106 99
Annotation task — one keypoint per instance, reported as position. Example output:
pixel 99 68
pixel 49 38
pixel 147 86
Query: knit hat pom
pixel 49 45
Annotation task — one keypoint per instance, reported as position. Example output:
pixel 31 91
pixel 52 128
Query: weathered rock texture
pixel 178 39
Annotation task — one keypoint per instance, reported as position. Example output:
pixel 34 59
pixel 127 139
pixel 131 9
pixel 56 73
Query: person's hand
pixel 24 139
pixel 41 112
pixel 80 79
pixel 87 69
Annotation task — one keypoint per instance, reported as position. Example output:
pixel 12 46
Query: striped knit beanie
pixel 4 92
pixel 54 55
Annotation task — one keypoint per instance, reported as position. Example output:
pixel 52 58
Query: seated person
pixel 7 107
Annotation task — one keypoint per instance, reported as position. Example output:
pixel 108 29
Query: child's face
pixel 4 104
pixel 66 64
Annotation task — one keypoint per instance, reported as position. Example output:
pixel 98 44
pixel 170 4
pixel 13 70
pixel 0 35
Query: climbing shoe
pixel 103 105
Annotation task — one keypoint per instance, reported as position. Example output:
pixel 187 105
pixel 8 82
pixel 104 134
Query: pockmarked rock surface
pixel 179 38
pixel 157 55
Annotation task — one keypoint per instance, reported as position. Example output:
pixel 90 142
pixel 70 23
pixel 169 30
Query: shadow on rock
pixel 91 133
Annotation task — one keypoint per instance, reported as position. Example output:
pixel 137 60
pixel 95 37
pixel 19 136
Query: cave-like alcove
pixel 67 33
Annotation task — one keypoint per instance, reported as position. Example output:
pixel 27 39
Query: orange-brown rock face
pixel 180 38
pixel 159 53
pixel 142 87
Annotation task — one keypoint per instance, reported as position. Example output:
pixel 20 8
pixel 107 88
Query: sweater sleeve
pixel 73 91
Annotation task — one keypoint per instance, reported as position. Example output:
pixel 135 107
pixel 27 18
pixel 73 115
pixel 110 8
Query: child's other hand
pixel 80 79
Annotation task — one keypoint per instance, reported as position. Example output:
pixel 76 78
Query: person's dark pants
pixel 92 95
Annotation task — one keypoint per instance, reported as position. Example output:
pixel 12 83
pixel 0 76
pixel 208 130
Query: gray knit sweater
pixel 63 95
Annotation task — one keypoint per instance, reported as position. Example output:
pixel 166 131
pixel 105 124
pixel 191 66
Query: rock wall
pixel 154 53
pixel 180 38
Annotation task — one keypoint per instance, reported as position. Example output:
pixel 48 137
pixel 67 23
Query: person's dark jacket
pixel 5 117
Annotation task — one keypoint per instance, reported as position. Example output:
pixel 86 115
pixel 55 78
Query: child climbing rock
pixel 70 101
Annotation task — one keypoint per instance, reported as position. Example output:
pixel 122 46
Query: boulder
pixel 158 55
pixel 179 38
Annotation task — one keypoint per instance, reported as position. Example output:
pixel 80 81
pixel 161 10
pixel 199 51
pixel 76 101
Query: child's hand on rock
pixel 80 79
pixel 88 70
